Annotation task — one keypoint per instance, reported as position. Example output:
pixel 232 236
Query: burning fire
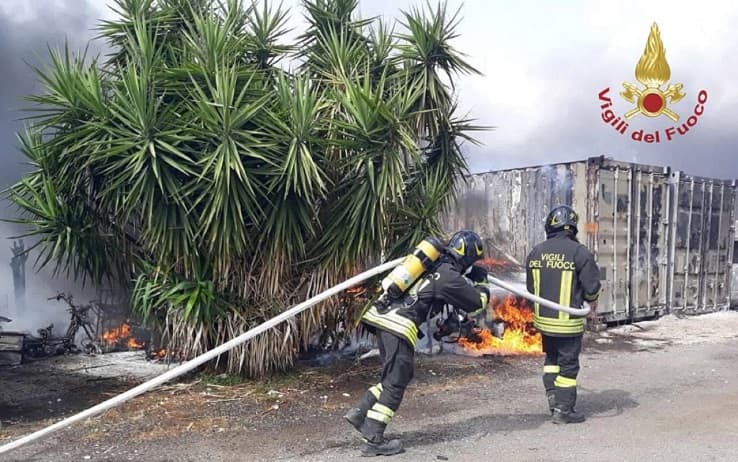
pixel 160 354
pixel 358 290
pixel 120 336
pixel 495 266
pixel 519 337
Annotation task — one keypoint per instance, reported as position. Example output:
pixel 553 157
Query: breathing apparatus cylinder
pixel 413 267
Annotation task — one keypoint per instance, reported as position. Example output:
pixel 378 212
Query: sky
pixel 543 65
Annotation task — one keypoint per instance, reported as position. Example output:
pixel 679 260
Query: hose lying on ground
pixel 215 352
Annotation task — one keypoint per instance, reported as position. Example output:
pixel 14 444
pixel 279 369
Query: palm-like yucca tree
pixel 227 186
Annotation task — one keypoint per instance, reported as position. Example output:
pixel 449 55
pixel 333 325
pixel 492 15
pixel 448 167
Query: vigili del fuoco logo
pixel 653 99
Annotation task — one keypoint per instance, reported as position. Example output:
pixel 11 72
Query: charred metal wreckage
pixel 84 334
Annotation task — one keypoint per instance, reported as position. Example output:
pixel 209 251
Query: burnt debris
pixel 88 332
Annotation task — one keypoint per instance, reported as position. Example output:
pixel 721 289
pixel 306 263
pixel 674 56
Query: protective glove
pixel 592 315
pixel 477 274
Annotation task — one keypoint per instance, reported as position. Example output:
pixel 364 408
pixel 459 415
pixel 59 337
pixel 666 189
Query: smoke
pixel 27 30
pixel 542 98
pixel 38 312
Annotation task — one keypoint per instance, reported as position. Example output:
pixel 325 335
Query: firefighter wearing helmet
pixel 562 270
pixel 434 276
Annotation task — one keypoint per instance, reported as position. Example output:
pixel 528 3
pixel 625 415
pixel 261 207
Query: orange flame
pixel 133 344
pixel 121 336
pixel 519 337
pixel 161 354
pixel 356 290
pixel 117 333
pixel 490 264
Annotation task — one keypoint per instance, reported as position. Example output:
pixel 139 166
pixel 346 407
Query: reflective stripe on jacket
pixel 443 286
pixel 562 270
pixel 393 322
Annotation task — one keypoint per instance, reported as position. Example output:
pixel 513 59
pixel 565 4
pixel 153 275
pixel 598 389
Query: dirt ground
pixel 661 390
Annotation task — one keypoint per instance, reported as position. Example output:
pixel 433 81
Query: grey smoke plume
pixel 27 28
pixel 563 123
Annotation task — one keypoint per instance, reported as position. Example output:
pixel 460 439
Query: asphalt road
pixel 664 391
pixel 676 399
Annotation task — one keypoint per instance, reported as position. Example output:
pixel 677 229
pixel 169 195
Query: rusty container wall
pixel 610 206
pixel 734 258
pixel 702 243
pixel 663 240
pixel 628 231
pixel 508 207
pixel 631 204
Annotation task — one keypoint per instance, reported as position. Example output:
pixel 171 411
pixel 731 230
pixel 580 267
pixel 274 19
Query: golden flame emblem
pixel 653 72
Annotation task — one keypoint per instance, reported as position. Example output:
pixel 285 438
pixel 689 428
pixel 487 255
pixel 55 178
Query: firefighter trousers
pixel 561 368
pixel 383 399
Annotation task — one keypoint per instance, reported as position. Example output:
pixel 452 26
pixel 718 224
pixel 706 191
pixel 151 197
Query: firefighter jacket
pixel 562 270
pixel 443 285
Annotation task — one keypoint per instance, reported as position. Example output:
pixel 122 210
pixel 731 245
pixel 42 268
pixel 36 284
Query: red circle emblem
pixel 653 103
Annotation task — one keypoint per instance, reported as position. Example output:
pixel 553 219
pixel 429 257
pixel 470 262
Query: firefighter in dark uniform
pixel 562 270
pixel 396 329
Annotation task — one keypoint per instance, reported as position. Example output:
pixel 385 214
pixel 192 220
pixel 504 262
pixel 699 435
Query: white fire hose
pixel 202 359
pixel 215 352
pixel 541 301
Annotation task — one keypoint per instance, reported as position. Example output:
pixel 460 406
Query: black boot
pixel 548 384
pixel 375 442
pixel 384 448
pixel 564 412
pixel 551 397
pixel 356 415
pixel 562 416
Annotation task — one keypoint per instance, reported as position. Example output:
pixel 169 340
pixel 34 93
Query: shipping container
pixel 734 283
pixel 663 239
pixel 702 244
